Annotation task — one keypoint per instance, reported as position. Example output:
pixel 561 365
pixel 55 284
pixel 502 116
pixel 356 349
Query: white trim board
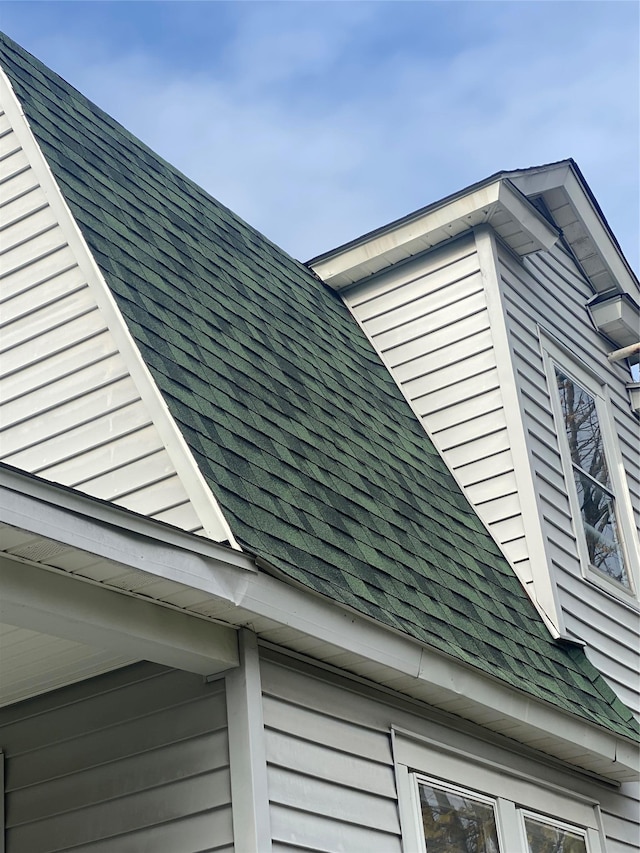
pixel 613 270
pixel 247 755
pixel 204 502
pixel 63 606
pixel 498 203
pixel 544 595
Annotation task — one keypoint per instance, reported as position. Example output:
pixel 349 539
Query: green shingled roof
pixel 319 464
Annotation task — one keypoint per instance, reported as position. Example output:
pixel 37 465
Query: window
pixel 455 820
pixel 456 795
pixel 544 836
pixel 591 477
pixel 594 473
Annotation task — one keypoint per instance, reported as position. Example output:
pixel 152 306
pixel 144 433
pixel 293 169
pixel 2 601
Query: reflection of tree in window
pixel 457 824
pixel 595 495
pixel 543 838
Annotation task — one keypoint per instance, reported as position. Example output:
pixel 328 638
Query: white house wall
pixel 330 775
pixel 70 409
pixel 429 320
pixel 458 329
pixel 332 781
pixel 548 291
pixel 130 761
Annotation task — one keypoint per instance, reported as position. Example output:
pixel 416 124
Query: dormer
pixel 496 310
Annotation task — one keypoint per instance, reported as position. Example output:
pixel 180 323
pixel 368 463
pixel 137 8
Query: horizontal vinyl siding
pixel 330 765
pixel 621 818
pixel 331 779
pixel 69 411
pixel 550 291
pixel 134 760
pixel 429 322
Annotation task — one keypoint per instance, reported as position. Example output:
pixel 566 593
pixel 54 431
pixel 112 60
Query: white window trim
pixel 512 792
pixel 509 817
pixel 591 843
pixel 555 356
pixel 493 802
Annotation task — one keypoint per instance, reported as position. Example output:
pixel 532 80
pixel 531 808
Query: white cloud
pixel 315 126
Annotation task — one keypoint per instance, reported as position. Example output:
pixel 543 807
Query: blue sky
pixel 318 121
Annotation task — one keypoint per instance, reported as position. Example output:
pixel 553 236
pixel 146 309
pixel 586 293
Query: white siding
pixel 442 326
pixel 331 779
pixel 439 335
pixel 331 765
pixel 430 322
pixel 134 760
pixel 548 290
pixel 70 411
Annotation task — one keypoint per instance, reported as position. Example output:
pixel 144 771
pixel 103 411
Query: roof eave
pixel 237 594
pixel 496 202
pixel 584 226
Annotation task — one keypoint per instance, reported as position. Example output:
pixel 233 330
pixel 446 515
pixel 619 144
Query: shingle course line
pixel 317 462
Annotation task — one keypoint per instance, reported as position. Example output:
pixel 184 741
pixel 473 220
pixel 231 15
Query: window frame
pixel 512 790
pixel 508 830
pixel 477 796
pixel 523 814
pixel 557 359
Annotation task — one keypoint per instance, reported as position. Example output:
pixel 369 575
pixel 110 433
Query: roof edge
pixel 594 246
pixel 496 201
pixel 79 521
pixel 200 494
pixel 588 235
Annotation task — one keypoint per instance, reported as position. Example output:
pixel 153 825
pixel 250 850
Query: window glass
pixel 545 838
pixel 454 823
pixel 591 475
pixel 600 528
pixel 583 429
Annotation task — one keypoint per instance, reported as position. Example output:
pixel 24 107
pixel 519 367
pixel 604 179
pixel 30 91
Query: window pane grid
pixel 586 476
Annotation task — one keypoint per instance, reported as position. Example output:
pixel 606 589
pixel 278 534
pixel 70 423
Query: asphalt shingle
pixel 319 464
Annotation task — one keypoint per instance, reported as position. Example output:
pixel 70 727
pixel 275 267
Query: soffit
pixel 496 203
pixel 584 227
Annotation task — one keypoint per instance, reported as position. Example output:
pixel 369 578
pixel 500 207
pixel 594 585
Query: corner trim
pixel 247 754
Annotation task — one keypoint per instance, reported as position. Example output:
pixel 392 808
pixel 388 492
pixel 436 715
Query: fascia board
pixel 151 547
pixel 565 178
pixel 611 256
pixel 530 220
pixel 200 494
pixel 421 232
pixel 536 181
pixel 111 533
